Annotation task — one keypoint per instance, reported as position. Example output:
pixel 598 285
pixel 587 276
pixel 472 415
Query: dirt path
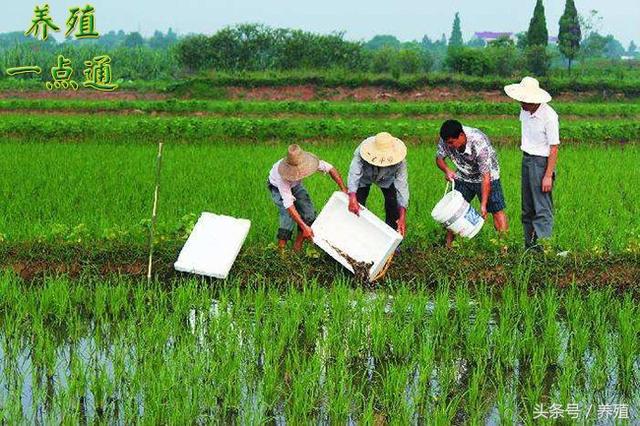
pixel 411 266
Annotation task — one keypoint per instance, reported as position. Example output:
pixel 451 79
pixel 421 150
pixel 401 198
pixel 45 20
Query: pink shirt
pixel 284 186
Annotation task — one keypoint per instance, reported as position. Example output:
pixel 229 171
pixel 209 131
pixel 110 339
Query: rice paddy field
pixel 483 334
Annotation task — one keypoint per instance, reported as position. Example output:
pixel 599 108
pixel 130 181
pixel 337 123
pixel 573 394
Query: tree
pixel 598 46
pixel 521 40
pixel 538 34
pixel 456 33
pixel 633 49
pixel 570 34
pixel 133 40
pixel 593 45
pixel 157 40
pixel 380 41
pixel 476 42
pixel 613 49
pixel 590 24
pixel 538 60
pixel 503 56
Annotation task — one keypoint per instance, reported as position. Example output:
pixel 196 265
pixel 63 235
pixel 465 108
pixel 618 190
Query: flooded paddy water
pixel 119 352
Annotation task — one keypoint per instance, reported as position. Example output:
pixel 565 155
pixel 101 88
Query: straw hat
pixel 528 91
pixel 298 164
pixel 383 150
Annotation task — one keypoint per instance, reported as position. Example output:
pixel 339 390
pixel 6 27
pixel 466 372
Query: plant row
pixel 325 108
pixel 198 129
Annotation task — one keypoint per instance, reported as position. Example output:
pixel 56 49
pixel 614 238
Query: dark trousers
pixel 390 203
pixel 537 206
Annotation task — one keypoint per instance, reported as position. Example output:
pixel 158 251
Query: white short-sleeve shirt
pixel 540 130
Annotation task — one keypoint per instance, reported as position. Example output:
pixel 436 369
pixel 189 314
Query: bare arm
pixel 337 178
pixel 547 180
pixel 442 165
pixel 486 190
pixel 306 229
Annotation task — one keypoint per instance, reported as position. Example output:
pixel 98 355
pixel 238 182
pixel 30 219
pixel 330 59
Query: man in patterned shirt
pixel 477 170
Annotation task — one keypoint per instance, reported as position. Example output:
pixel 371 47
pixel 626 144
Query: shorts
pixel 302 203
pixel 470 190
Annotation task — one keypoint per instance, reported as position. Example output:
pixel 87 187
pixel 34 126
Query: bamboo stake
pixel 155 211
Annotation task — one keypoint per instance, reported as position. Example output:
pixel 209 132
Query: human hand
pixel 307 232
pixel 402 226
pixel 547 184
pixel 354 206
pixel 450 175
pixel 483 211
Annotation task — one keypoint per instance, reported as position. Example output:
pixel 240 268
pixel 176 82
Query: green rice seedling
pixel 394 398
pixel 628 347
pixel 549 307
pixel 339 387
pixel 440 321
pixel 78 181
pixel 532 382
pixel 567 380
pixel 425 361
pixel 507 334
pixel 477 339
pixel 577 320
pixel 463 315
pixel 505 398
pixel 304 388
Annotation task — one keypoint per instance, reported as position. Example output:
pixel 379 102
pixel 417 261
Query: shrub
pixel 538 60
pixel 468 61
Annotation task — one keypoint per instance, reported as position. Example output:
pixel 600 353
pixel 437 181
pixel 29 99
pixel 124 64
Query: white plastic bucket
pixel 456 214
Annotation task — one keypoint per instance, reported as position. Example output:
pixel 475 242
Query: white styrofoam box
pixel 213 245
pixel 364 238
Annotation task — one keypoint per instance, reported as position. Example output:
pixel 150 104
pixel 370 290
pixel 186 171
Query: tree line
pixel 257 47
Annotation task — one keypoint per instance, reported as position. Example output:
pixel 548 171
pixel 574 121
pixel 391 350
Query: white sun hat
pixel 528 91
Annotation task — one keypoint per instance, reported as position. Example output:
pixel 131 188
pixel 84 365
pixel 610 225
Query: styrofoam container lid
pixel 213 245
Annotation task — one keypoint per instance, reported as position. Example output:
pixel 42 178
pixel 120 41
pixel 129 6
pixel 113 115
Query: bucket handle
pixel 446 188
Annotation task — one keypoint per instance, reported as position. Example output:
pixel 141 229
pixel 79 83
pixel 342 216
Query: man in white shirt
pixel 540 140
pixel 291 197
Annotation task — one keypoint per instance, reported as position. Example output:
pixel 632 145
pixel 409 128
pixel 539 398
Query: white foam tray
pixel 213 245
pixel 364 238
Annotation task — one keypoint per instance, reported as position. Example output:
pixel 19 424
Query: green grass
pixel 87 192
pixel 319 108
pixel 103 351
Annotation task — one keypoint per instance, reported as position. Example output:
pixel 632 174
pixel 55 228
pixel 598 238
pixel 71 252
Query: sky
pixel 359 19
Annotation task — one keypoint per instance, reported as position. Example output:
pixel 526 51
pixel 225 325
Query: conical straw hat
pixel 528 91
pixel 298 164
pixel 383 150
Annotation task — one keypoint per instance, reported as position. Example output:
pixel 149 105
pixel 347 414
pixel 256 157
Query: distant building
pixel 553 40
pixel 489 36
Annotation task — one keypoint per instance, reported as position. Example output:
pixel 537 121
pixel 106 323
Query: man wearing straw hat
pixel 540 140
pixel 292 198
pixel 477 171
pixel 380 160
